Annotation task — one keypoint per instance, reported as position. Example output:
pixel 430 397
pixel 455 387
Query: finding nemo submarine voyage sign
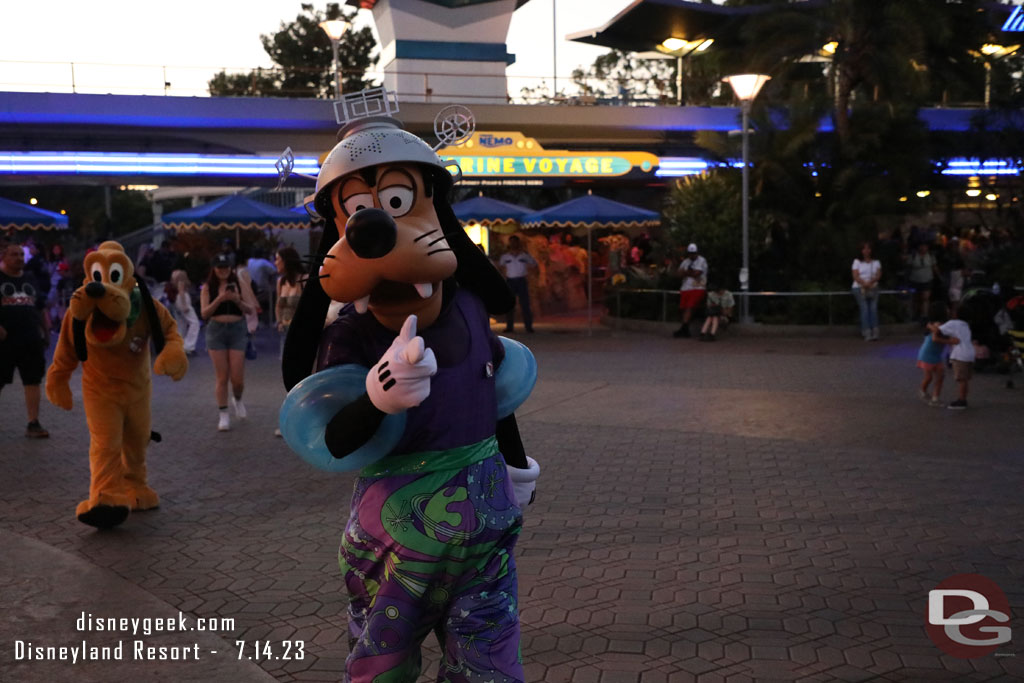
pixel 513 155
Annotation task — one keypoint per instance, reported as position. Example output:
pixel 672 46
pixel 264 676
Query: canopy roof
pixel 592 211
pixel 17 216
pixel 488 211
pixel 231 212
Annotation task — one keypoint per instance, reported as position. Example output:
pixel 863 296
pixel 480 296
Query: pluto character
pixel 107 327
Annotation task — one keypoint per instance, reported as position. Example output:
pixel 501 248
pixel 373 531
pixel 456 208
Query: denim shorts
pixel 226 336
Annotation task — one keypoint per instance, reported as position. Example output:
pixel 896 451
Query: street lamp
pixel 746 87
pixel 992 52
pixel 679 48
pixel 335 29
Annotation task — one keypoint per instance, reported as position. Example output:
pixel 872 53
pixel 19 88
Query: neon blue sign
pixel 146 163
pixel 1016 20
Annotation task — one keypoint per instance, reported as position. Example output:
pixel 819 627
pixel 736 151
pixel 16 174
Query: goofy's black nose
pixel 371 233
pixel 96 290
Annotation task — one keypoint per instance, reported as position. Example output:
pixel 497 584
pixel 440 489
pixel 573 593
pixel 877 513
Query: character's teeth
pixel 362 305
pixel 425 289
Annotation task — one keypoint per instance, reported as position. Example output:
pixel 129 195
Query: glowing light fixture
pixel 479 235
pixel 676 45
pixel 993 50
pixel 63 212
pixel 923 193
pixel 335 29
pixel 33 201
pixel 830 48
pixel 673 44
pixel 991 196
pixel 746 87
pixel 973 192
pixel 903 199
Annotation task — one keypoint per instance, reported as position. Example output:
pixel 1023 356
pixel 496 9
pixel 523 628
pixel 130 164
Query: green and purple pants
pixel 428 547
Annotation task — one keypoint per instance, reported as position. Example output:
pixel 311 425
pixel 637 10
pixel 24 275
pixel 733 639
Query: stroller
pixel 1015 352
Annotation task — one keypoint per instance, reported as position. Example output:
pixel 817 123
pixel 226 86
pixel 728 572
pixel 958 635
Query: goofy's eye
pixel 116 273
pixel 396 200
pixel 357 201
pixel 97 272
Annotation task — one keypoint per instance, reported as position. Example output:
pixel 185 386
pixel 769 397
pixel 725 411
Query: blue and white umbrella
pixel 234 212
pixel 18 216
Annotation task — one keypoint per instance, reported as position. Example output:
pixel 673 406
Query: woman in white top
pixel 867 271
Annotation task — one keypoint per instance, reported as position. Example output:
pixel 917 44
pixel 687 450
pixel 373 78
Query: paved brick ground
pixel 750 510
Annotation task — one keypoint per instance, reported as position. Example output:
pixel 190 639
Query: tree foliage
pixel 816 193
pixel 304 58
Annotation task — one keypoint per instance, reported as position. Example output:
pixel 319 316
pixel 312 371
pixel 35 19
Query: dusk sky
pixel 195 39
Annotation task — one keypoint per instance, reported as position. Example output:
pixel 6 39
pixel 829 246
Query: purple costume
pixel 429 541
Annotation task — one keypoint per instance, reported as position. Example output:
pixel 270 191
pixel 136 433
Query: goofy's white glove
pixel 524 482
pixel 401 379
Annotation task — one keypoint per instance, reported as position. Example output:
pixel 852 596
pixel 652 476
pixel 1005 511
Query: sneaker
pixel 239 407
pixel 681 332
pixel 712 337
pixel 923 395
pixel 34 430
pixel 934 402
pixel 224 423
pixel 957 405
pixel 277 432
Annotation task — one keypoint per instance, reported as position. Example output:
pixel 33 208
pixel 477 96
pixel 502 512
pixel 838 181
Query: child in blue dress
pixel 929 358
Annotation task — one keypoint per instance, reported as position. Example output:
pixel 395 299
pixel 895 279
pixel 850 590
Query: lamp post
pixel 990 53
pixel 335 29
pixel 746 87
pixel 679 48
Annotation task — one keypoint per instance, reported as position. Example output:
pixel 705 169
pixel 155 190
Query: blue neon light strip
pixel 1016 20
pixel 148 164
pixel 971 167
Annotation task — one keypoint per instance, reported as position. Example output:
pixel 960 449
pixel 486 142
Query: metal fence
pixel 773 308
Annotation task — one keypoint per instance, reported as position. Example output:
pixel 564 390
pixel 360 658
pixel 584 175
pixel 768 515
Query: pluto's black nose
pixel 95 289
pixel 371 233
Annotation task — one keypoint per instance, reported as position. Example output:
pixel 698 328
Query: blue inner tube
pixel 312 403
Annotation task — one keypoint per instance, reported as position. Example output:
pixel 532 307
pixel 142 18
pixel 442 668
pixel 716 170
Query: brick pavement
pixel 751 510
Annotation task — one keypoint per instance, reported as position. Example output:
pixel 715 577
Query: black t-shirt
pixel 21 305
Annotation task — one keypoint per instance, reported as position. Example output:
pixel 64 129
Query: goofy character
pixel 437 506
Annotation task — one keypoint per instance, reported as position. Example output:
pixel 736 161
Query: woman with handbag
pixel 867 271
pixel 224 302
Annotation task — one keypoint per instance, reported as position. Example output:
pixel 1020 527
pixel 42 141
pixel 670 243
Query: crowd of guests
pixel 225 291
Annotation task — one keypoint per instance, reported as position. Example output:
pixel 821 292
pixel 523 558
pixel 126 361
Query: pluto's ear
pixel 155 328
pixel 303 339
pixel 78 334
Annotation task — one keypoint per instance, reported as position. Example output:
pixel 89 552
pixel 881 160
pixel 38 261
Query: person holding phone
pixel 223 303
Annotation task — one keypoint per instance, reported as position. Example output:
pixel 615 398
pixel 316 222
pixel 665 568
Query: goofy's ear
pixel 475 271
pixel 303 339
pixel 149 309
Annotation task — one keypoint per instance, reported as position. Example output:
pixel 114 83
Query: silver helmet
pixel 370 137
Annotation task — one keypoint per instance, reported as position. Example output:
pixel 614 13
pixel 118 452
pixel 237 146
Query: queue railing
pixel 769 307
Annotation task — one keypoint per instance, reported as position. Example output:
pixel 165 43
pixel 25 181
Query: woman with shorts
pixel 223 303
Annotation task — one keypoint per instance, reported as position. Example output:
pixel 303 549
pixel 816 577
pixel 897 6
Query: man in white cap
pixel 694 270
